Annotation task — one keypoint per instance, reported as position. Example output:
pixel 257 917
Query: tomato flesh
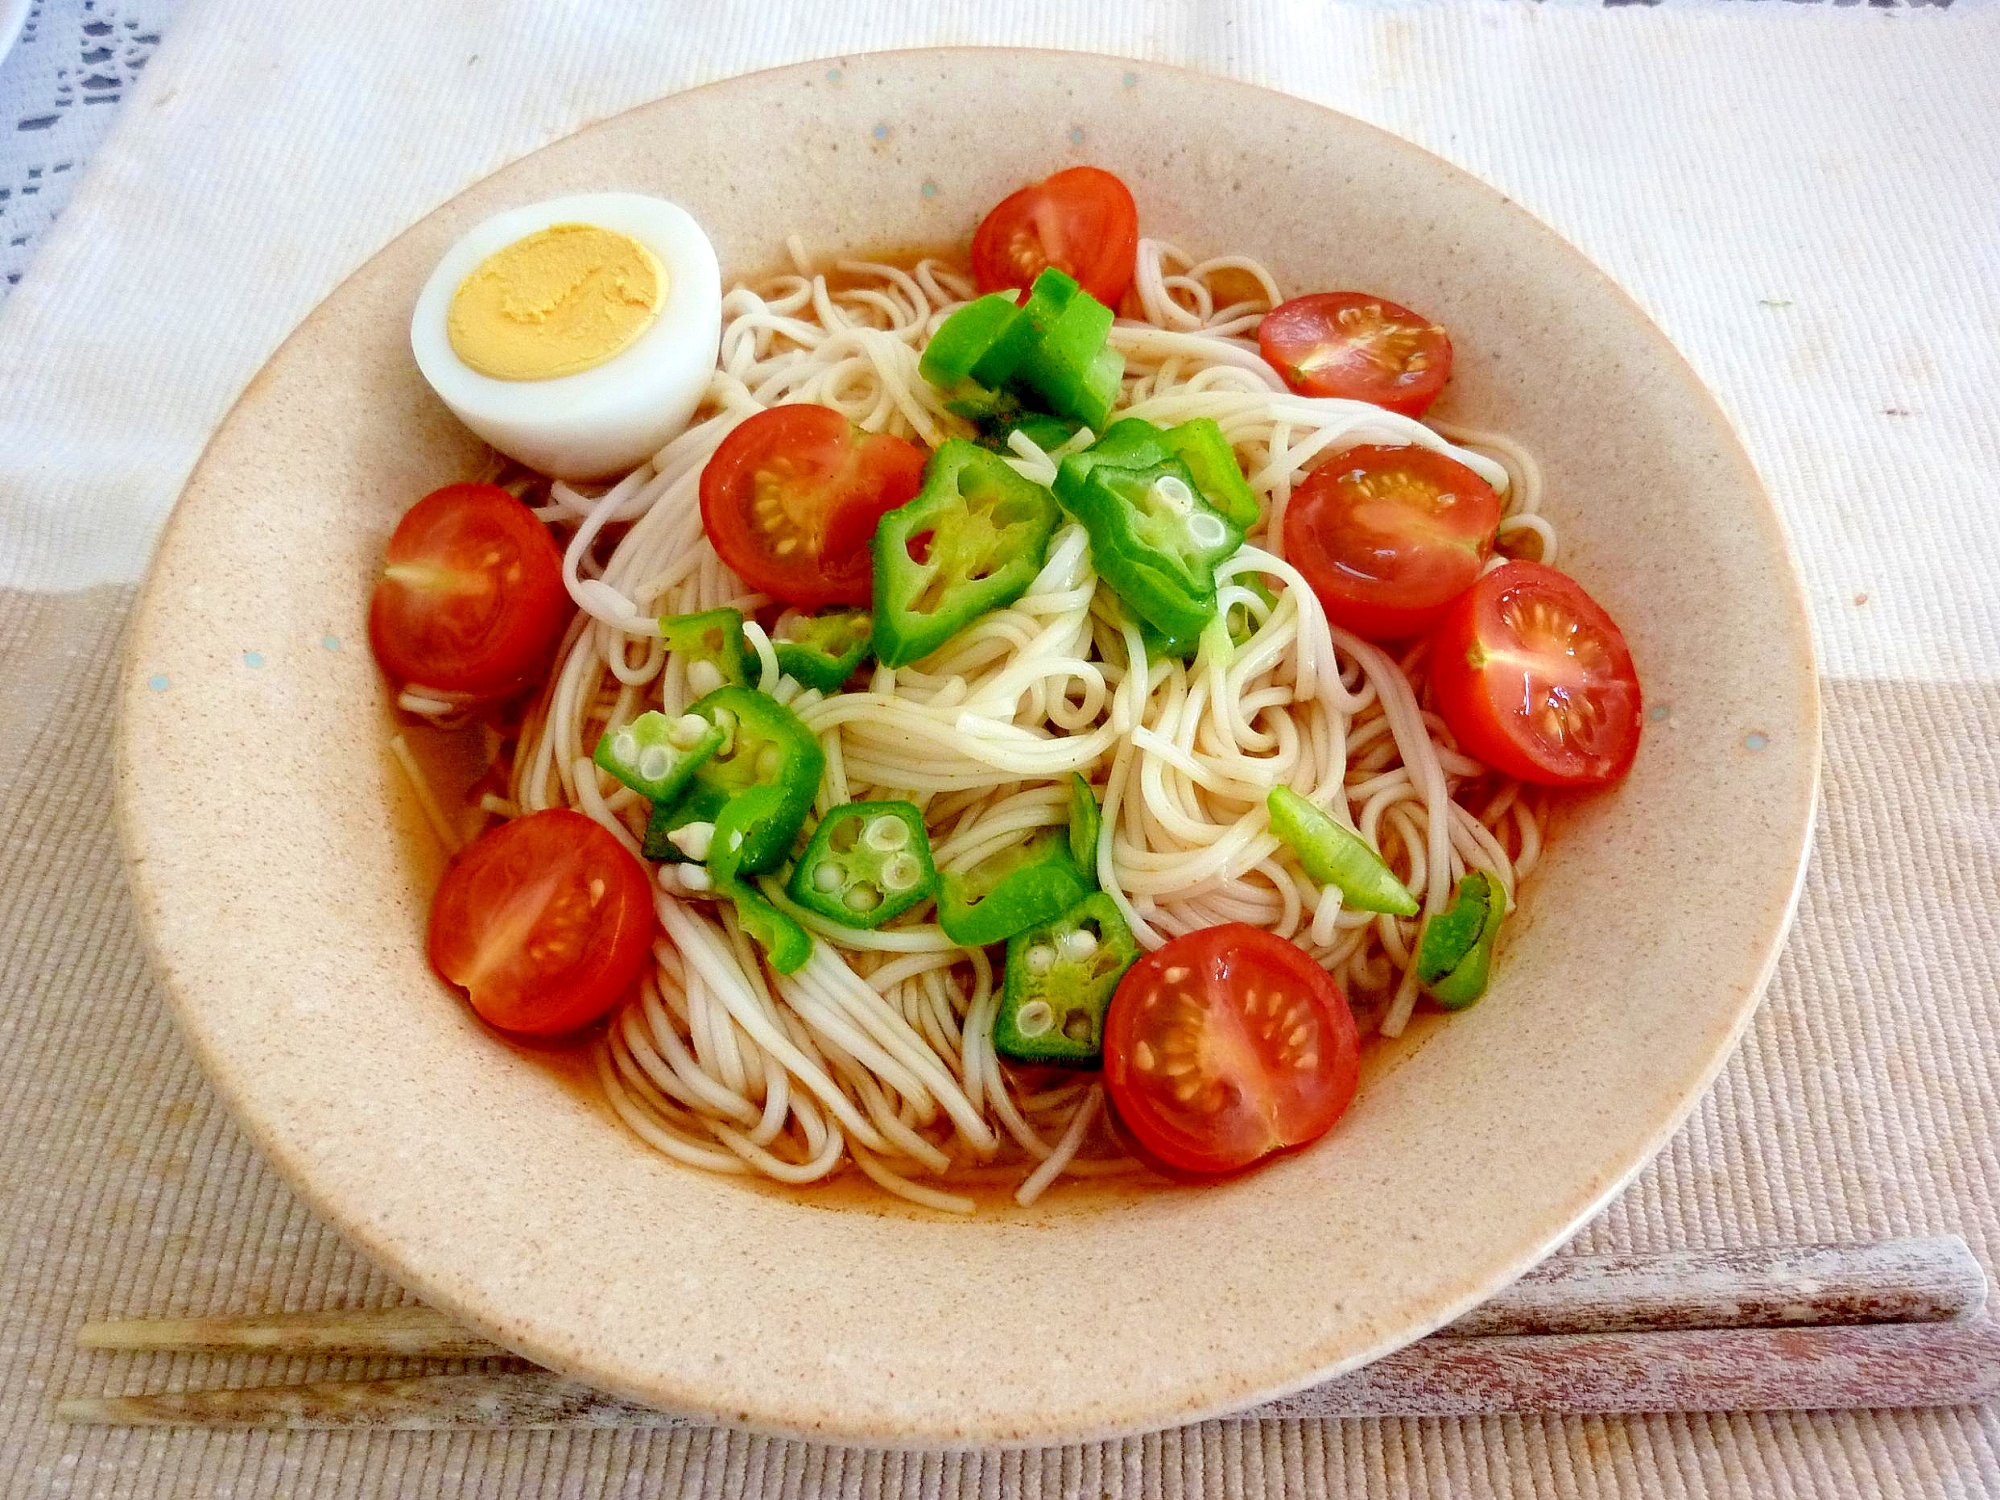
pixel 1389 536
pixel 1227 1045
pixel 1357 347
pixel 791 499
pixel 1082 221
pixel 1534 678
pixel 545 922
pixel 471 599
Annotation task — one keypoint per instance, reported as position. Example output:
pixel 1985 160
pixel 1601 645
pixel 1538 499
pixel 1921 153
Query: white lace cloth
pixel 60 88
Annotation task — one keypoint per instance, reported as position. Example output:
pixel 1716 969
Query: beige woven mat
pixel 1865 1102
pixel 1805 197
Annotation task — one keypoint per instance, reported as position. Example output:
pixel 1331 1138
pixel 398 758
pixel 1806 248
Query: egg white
pixel 608 419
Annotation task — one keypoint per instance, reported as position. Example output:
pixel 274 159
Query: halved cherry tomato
pixel 791 498
pixel 1082 221
pixel 1227 1045
pixel 1535 679
pixel 1357 347
pixel 471 599
pixel 1389 536
pixel 546 921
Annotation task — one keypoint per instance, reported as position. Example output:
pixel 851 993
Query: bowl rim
pixel 1241 1396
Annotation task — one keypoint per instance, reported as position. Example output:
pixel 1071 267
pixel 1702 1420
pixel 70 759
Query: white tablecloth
pixel 1807 198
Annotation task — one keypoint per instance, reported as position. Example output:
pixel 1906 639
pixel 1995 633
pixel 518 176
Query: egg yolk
pixel 562 300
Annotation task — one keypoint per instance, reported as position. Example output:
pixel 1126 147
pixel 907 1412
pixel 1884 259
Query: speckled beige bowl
pixel 267 828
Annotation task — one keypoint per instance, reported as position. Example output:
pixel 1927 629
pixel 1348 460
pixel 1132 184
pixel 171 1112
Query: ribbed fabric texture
pixel 1803 196
pixel 1864 1102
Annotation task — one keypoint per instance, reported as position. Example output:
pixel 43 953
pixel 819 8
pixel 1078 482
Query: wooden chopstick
pixel 1791 1328
pixel 1728 1369
pixel 1895 1281
pixel 1923 1280
pixel 409 1332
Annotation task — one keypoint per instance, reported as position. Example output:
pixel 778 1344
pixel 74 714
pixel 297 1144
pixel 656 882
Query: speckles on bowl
pixel 158 682
pixel 1755 741
pixel 929 189
pixel 1076 135
pixel 833 75
pixel 1131 80
pixel 330 642
pixel 880 132
pixel 1659 713
pixel 253 658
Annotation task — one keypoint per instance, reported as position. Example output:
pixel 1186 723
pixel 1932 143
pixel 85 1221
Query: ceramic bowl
pixel 270 841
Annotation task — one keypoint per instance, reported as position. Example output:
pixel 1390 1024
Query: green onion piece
pixel 1455 953
pixel 655 755
pixel 866 863
pixel 1058 984
pixel 715 638
pixel 1334 854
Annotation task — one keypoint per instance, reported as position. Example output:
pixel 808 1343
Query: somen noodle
pixel 879 1051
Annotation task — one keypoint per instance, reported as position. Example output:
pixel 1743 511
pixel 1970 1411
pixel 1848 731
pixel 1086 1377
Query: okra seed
pixel 693 839
pixel 1207 531
pixel 1078 944
pixel 687 731
pixel 901 873
pixel 1077 1027
pixel 768 760
pixel 1041 959
pixel 626 746
pixel 827 876
pixel 655 761
pixel 1035 1019
pixel 704 677
pixel 1175 493
pixel 863 898
pixel 887 833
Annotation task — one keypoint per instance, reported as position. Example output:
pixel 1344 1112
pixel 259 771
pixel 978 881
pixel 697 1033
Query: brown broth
pixel 453 761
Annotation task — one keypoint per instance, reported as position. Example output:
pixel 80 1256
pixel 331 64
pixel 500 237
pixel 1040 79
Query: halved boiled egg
pixel 576 335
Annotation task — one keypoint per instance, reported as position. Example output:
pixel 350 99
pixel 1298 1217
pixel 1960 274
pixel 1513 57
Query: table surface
pixel 1802 196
